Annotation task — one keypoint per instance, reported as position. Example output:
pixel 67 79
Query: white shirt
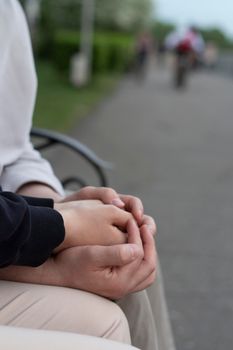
pixel 19 162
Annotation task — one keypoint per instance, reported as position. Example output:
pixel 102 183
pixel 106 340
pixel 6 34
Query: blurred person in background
pixel 188 48
pixel 24 172
pixel 172 39
pixel 143 49
pixel 194 39
pixel 189 42
pixel 211 55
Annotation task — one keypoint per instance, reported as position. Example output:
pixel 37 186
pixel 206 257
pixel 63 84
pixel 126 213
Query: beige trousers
pixel 69 310
pixel 61 309
pixel 148 317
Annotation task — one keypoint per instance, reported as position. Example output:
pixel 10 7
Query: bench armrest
pixel 50 138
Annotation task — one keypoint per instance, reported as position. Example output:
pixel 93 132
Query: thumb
pixel 117 255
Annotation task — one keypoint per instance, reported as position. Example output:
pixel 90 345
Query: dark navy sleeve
pixel 29 231
pixel 39 202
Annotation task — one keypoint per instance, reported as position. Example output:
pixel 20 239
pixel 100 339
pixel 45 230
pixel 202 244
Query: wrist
pixel 37 189
pixel 46 273
pixel 67 220
pixel 50 273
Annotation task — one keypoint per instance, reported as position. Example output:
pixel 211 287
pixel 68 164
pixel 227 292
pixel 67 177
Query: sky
pixel 200 12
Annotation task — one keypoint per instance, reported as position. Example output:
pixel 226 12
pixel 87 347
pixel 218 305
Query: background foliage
pixel 218 37
pixel 112 52
pixel 124 15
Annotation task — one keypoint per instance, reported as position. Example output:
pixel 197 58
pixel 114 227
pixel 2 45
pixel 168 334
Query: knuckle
pixel 110 193
pixel 139 202
pixel 134 199
pixel 153 223
pixel 122 255
pixel 138 199
pixel 94 255
pixel 88 188
pixel 90 252
pixel 86 191
pixel 140 255
pixel 111 208
pixel 130 197
pixel 150 220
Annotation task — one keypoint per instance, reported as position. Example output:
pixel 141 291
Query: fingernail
pixel 151 229
pixel 128 253
pixel 118 202
pixel 141 212
pixel 133 250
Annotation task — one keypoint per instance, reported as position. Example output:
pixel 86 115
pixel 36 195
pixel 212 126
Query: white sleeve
pixel 19 162
pixel 29 167
pixel 24 339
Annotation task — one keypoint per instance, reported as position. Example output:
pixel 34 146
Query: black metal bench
pixel 44 139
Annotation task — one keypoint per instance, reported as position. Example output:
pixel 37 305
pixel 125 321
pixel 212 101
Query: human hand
pixel 129 203
pixel 90 222
pixel 113 271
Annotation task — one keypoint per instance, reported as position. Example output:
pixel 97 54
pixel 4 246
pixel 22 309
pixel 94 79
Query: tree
pixel 162 29
pixel 217 36
pixel 129 15
pixel 62 13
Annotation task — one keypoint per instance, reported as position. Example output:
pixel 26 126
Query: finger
pixel 106 195
pixel 134 206
pixel 148 264
pixel 117 255
pixel 116 236
pixel 119 217
pixel 149 247
pixel 84 194
pixel 109 196
pixel 149 221
pixel 134 236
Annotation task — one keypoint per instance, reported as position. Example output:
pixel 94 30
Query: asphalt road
pixel 175 151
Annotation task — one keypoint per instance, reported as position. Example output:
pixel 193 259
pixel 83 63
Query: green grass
pixel 59 105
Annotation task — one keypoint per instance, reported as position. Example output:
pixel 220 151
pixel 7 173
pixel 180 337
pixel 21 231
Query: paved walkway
pixel 175 151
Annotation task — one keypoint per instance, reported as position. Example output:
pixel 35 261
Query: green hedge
pixel 112 52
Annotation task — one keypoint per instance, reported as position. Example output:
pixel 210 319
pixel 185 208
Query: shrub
pixel 112 52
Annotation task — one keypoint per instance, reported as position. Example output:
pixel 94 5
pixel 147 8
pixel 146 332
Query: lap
pixel 61 309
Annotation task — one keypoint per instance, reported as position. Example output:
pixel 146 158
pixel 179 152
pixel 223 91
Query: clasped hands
pixel 109 245
pixel 99 216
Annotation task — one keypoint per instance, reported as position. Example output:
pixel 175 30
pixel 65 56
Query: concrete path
pixel 175 151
